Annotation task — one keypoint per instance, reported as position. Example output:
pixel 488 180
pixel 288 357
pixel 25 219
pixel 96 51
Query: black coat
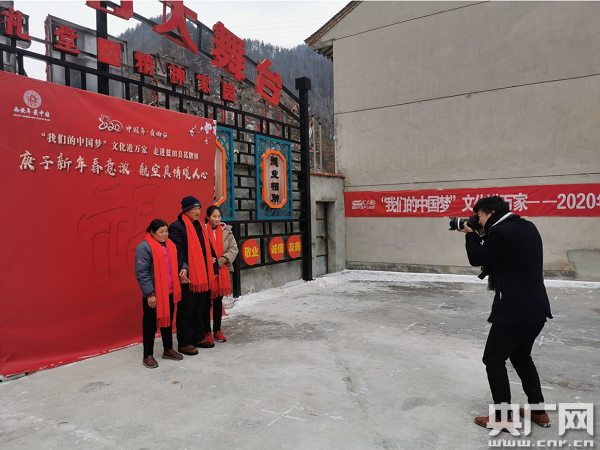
pixel 512 250
pixel 178 234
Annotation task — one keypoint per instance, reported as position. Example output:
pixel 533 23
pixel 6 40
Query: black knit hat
pixel 188 203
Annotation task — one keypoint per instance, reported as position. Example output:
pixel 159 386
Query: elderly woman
pixel 155 267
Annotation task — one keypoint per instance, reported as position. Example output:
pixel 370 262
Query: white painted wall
pixel 461 94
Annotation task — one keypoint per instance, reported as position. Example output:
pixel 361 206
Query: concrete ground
pixel 353 360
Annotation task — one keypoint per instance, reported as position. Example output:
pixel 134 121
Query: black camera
pixel 457 223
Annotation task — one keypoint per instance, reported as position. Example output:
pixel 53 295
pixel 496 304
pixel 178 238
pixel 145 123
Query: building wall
pixel 465 95
pixel 330 188
pixel 324 188
pixel 261 278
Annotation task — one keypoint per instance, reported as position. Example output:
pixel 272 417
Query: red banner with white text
pixel 82 176
pixel 560 200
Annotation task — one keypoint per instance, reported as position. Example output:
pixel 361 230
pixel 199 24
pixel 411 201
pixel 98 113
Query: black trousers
pixel 514 343
pixel 189 316
pixel 149 328
pixel 217 307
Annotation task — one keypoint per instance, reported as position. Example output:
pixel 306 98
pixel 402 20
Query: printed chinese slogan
pixel 566 200
pixel 82 176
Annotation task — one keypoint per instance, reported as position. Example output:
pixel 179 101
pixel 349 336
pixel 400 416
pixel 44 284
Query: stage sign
pixel 224 171
pixel 274 178
pixel 250 252
pixel 294 246
pixel 560 200
pixel 276 248
pixel 83 175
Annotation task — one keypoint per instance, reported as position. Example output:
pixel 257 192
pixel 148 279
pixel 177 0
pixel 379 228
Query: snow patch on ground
pixel 572 284
pixel 341 279
pixel 405 277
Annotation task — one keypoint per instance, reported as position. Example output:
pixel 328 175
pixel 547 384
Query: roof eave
pixel 325 48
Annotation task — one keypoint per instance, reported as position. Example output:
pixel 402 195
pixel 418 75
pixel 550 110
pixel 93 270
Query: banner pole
pixel 303 85
pixel 102 32
pixel 237 279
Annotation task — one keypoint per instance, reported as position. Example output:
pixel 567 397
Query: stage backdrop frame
pixel 237 127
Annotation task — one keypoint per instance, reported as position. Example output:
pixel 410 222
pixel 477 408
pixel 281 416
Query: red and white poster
pixel 82 176
pixel 562 200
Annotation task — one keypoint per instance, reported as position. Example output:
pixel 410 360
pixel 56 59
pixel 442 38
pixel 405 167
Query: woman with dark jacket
pixel 226 249
pixel 156 267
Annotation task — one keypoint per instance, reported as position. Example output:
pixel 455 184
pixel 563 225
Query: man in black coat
pixel 190 333
pixel 510 251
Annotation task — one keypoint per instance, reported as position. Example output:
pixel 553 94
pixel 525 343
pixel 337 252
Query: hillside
pixel 290 63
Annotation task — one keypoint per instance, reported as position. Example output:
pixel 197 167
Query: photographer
pixel 510 251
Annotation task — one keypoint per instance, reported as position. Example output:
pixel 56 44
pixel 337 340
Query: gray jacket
pixel 144 269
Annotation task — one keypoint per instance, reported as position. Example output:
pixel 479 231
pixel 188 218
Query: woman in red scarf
pixel 155 269
pixel 226 248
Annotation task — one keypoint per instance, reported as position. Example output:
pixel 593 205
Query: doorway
pixel 322 238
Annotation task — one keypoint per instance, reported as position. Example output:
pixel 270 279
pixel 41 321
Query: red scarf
pixel 161 279
pixel 197 264
pixel 224 285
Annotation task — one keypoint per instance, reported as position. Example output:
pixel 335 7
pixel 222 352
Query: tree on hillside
pixel 290 63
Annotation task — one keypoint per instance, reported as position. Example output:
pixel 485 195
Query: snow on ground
pixel 352 360
pixel 339 279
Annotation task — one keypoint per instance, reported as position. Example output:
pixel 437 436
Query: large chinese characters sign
pixel 562 200
pixel 82 176
pixel 228 51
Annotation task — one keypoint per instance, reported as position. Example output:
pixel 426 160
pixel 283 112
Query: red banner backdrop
pixel 82 176
pixel 564 200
